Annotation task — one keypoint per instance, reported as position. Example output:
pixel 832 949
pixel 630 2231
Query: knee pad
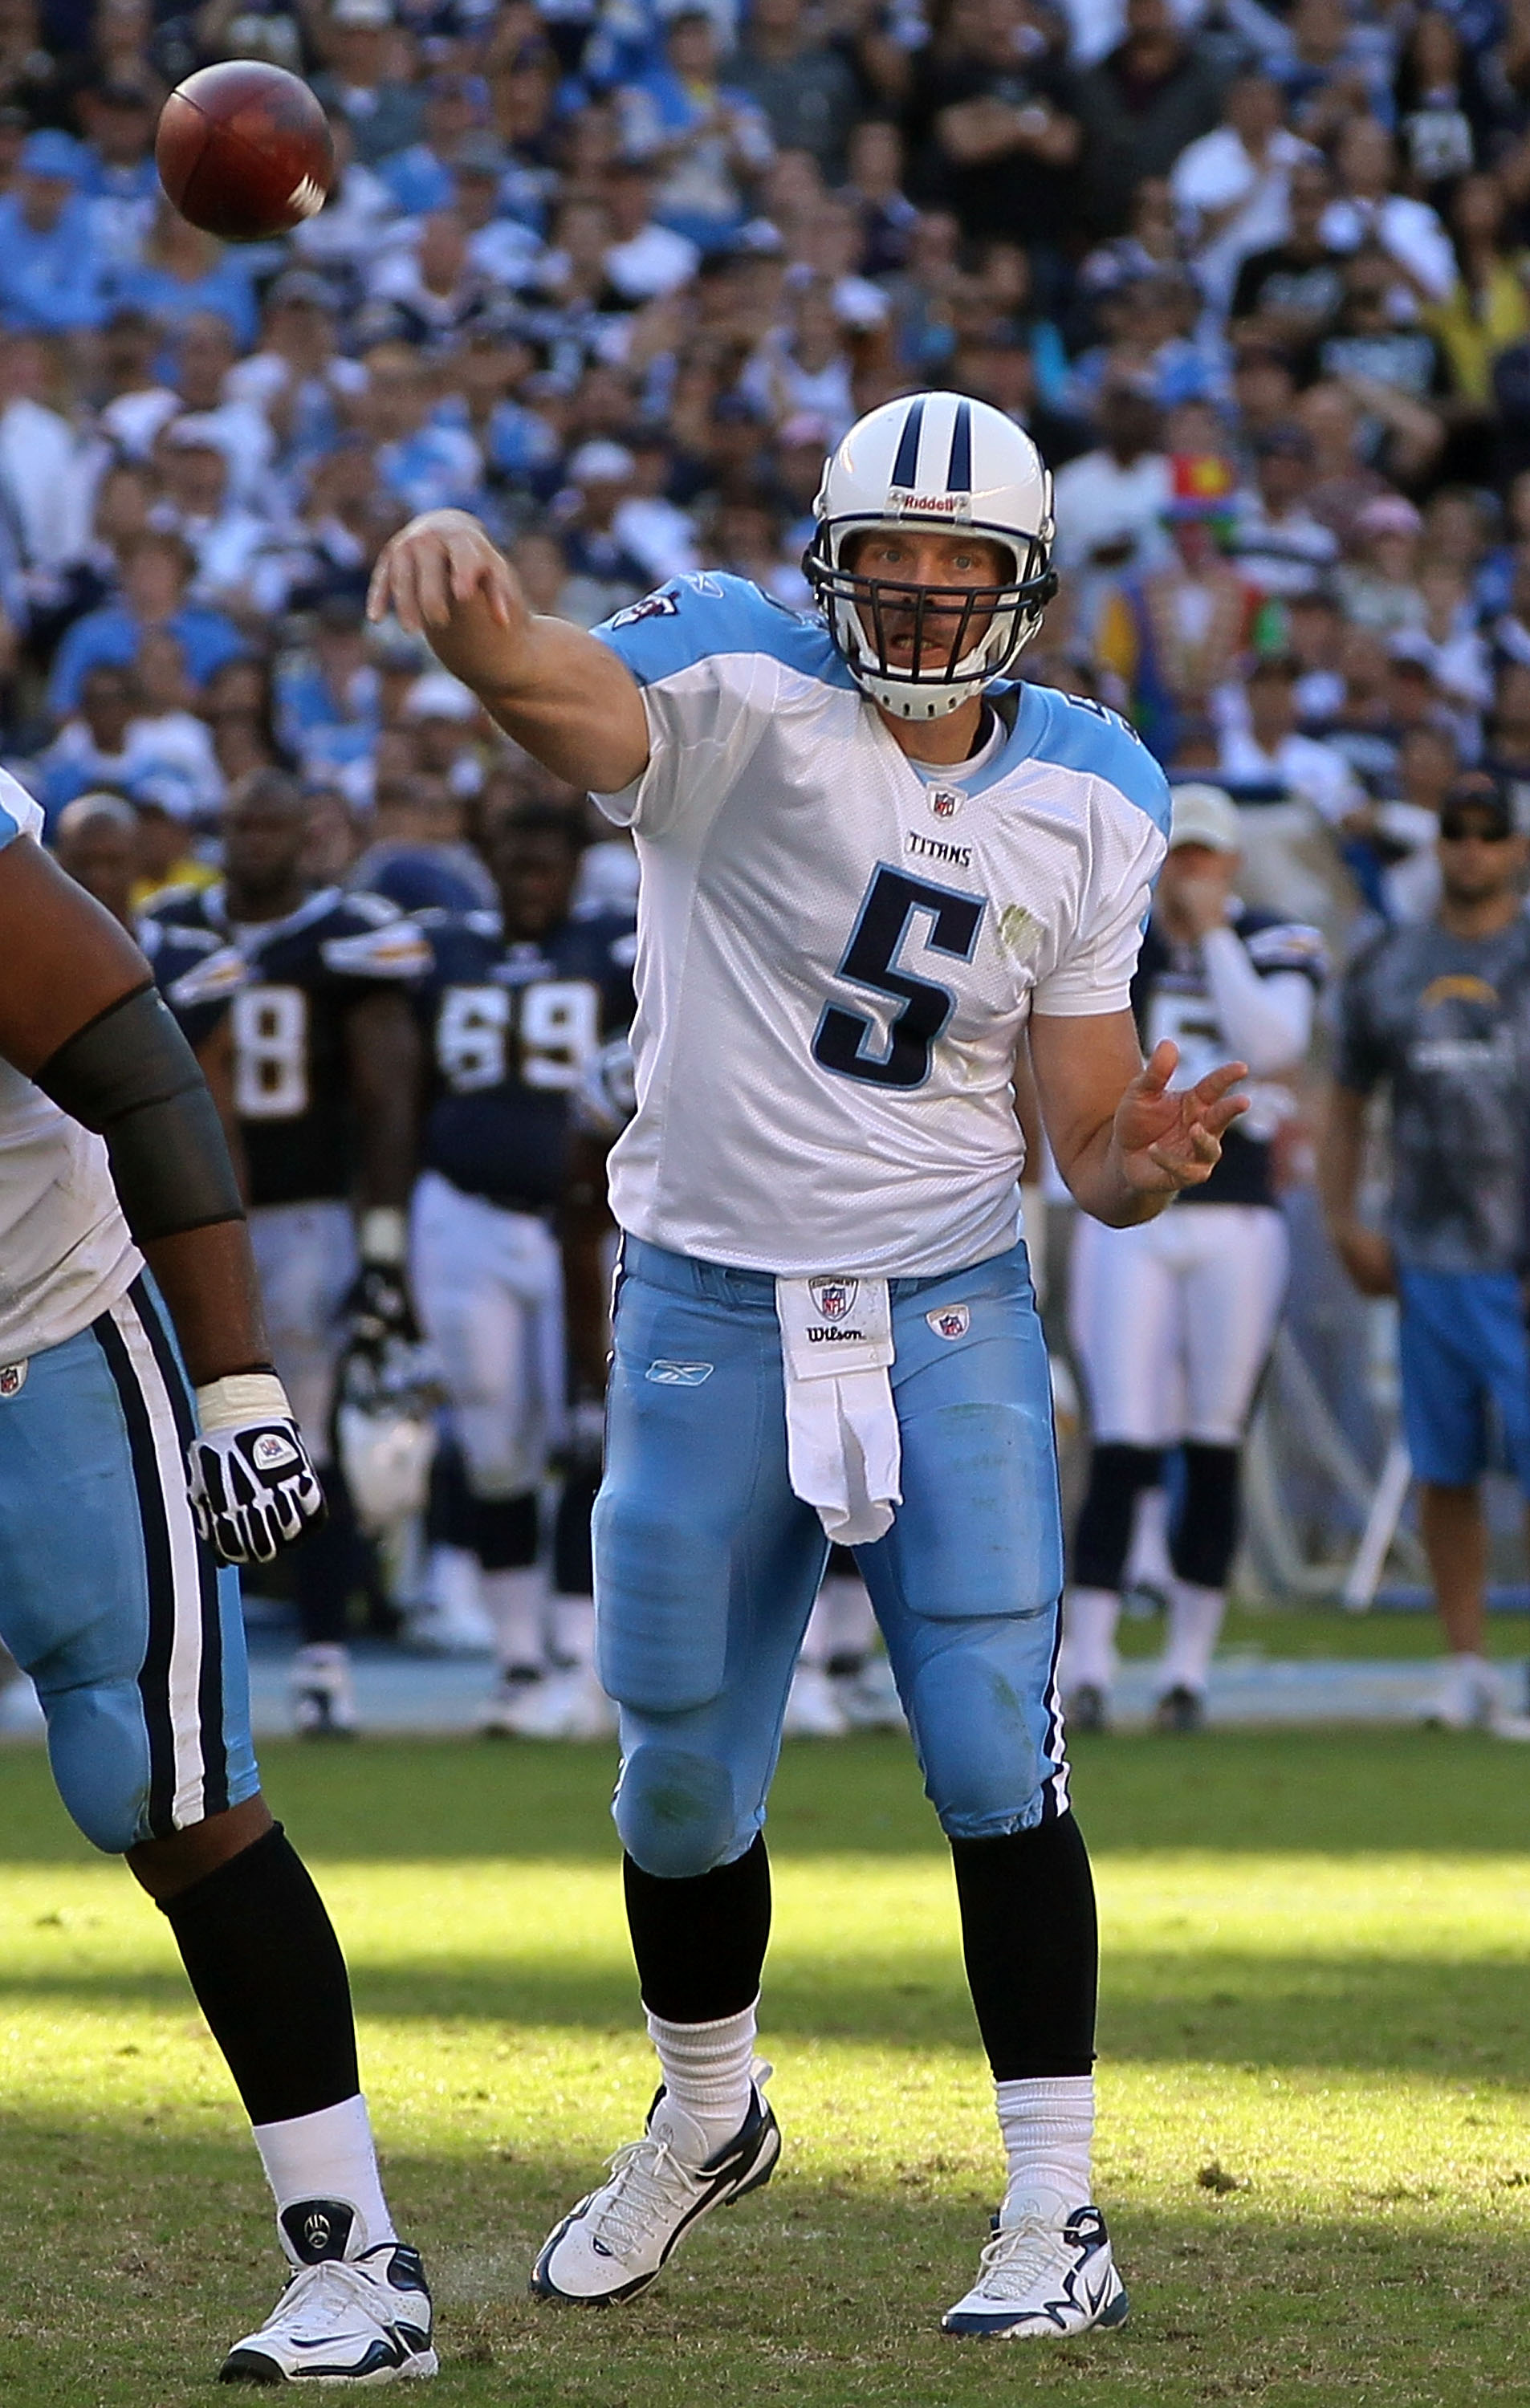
pixel 1206 1533
pixel 99 1751
pixel 675 1811
pixel 1117 1476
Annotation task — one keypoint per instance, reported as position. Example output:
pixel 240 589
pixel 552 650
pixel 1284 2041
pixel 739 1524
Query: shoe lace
pixel 323 2296
pixel 648 2183
pixel 1017 2258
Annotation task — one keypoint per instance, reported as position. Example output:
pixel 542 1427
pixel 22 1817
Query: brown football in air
pixel 244 151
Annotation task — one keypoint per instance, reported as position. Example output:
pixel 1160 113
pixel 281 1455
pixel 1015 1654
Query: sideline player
pixel 1436 1014
pixel 325 1061
pixel 519 1004
pixel 868 862
pixel 112 1598
pixel 1172 1321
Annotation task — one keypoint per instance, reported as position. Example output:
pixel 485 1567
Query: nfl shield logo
pixel 951 1321
pixel 12 1378
pixel 832 1297
pixel 945 802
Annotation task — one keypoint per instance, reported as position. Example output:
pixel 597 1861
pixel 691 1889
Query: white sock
pixel 515 1603
pixel 1194 1625
pixel 706 2069
pixel 1046 2128
pixel 329 2155
pixel 574 1630
pixel 1090 1616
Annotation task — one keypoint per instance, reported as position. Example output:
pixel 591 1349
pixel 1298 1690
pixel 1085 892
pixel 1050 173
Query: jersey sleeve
pixel 386 948
pixel 1128 831
pixel 1275 946
pixel 18 814
pixel 705 651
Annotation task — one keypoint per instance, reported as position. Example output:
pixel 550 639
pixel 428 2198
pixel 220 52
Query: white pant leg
pixel 1234 1284
pixel 305 1260
pixel 490 1290
pixel 1126 1322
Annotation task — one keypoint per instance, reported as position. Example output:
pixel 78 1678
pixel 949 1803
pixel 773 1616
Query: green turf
pixel 1315 2050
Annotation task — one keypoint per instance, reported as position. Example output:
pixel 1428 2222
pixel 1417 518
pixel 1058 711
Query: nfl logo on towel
pixel 832 1298
pixel 953 1321
pixel 945 802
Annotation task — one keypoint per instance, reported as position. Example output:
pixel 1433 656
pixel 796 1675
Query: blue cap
pixel 48 153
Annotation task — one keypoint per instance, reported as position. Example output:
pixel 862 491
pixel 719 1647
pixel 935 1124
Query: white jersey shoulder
pixel 66 1254
pixel 838 948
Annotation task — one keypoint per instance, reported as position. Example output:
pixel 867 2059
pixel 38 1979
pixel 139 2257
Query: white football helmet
pixel 932 460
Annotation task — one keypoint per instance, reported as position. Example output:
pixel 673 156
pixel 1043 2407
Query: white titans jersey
pixel 66 1254
pixel 837 953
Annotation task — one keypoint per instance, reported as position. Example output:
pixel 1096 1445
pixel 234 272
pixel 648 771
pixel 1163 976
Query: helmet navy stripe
pixel 906 466
pixel 959 475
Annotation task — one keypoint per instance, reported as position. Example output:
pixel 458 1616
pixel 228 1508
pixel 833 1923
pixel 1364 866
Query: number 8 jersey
pixel 838 946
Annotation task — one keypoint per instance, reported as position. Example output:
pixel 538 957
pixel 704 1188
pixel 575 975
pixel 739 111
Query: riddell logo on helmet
pixel 930 505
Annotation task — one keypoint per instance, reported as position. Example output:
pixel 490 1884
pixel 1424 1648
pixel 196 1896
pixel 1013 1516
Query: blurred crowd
pixel 615 273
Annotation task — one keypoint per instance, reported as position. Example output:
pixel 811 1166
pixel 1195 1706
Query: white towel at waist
pixel 844 1456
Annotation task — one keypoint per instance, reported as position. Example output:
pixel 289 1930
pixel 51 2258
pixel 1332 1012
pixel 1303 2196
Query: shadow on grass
pixel 825 2291
pixel 1349 1792
pixel 1465 2020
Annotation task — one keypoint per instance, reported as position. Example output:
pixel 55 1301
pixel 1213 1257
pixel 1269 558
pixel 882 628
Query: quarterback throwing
pixel 872 867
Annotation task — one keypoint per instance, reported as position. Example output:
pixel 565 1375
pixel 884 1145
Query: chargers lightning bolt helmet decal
pixel 932 460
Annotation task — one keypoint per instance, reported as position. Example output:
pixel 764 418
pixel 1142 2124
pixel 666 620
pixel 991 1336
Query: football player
pixel 522 1003
pixel 132 1351
pixel 1172 1321
pixel 870 861
pixel 325 1076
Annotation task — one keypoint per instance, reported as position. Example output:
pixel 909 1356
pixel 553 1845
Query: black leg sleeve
pixel 1205 1537
pixel 700 1943
pixel 1117 1476
pixel 1032 1947
pixel 261 1954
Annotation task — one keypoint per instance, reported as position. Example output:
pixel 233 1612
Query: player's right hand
pixel 252 1487
pixel 434 565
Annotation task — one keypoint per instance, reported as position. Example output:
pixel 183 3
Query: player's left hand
pixel 379 1310
pixel 252 1487
pixel 1164 1141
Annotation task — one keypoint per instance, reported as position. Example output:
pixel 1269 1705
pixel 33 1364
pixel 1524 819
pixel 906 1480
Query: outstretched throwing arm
pixel 560 692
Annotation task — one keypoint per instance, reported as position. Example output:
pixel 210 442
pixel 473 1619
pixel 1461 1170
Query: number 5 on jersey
pixel 850 1042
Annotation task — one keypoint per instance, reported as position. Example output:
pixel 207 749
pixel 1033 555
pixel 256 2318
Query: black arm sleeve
pixel 130 1075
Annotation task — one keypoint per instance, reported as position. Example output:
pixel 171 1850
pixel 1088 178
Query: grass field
pixel 1315 2066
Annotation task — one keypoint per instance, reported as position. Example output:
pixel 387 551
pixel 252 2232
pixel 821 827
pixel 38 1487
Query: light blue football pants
pixel 706 1564
pixel 108 1597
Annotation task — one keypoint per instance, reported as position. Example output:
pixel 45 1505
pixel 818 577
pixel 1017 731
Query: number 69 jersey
pixel 838 949
pixel 515 1029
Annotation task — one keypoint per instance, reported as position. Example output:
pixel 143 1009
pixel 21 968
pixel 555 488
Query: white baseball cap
pixel 1205 815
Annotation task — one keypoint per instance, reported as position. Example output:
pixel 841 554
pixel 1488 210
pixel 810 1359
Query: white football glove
pixel 251 1485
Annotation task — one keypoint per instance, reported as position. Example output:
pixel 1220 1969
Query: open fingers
pixel 1159 1067
pixel 1216 1083
pixel 477 569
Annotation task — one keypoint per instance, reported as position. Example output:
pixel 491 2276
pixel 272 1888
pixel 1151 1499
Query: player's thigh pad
pixel 108 1599
pixel 1234 1281
pixel 967 1582
pixel 306 1259
pixel 1125 1316
pixel 489 1289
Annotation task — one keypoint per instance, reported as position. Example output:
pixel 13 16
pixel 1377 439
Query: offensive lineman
pixel 1172 1320
pixel 112 1598
pixel 869 862
pixel 519 1005
pixel 326 1082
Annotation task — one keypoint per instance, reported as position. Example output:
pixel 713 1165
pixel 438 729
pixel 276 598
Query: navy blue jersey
pixel 195 971
pixel 514 1028
pixel 1171 997
pixel 302 977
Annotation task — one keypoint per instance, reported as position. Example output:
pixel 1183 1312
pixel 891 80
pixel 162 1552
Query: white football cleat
pixel 365 2320
pixel 867 1697
pixel 515 1699
pixel 568 1704
pixel 812 1710
pixel 1046 2273
pixel 324 1698
pixel 613 2242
